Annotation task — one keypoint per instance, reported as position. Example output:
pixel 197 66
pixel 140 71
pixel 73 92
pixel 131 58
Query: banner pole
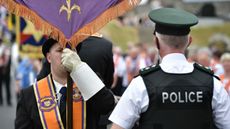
pixel 69 112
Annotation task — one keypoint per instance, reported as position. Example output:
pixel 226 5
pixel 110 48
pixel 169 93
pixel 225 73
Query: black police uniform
pixel 178 97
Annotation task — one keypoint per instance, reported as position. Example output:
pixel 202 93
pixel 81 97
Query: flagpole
pixel 69 111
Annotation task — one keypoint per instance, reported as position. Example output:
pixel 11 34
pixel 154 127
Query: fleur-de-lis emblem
pixel 68 8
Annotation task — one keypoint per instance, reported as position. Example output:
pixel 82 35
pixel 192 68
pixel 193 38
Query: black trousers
pixel 5 79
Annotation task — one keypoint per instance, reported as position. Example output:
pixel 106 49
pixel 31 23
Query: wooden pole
pixel 69 112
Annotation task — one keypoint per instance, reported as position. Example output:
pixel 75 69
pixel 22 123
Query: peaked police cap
pixel 171 21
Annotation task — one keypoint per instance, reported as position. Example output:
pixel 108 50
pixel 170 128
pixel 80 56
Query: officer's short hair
pixel 173 41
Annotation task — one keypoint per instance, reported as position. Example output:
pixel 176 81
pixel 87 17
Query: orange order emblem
pixel 76 95
pixel 47 103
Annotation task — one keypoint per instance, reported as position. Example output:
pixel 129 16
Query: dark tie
pixel 63 105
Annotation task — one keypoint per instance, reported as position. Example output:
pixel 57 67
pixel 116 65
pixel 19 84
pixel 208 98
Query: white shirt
pixel 58 87
pixel 135 100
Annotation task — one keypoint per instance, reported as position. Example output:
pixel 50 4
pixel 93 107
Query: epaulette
pixel 206 70
pixel 149 69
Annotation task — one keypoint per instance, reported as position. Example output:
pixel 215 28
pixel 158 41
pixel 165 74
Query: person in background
pixel 153 54
pixel 96 51
pixel 5 63
pixel 175 94
pixel 144 59
pixel 215 62
pixel 192 54
pixel 225 78
pixel 204 57
pixel 119 71
pixel 25 75
pixel 14 62
pixel 132 63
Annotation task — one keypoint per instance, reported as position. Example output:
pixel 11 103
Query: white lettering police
pixel 183 97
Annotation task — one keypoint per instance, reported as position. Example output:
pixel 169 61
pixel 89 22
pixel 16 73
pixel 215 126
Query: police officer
pixel 175 94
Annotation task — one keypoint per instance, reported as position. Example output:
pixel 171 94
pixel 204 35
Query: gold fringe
pixel 89 29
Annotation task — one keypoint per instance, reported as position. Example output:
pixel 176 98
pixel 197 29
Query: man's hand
pixel 87 81
pixel 70 59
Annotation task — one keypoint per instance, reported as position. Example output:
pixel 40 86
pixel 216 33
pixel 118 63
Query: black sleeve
pixel 110 69
pixel 22 120
pixel 102 102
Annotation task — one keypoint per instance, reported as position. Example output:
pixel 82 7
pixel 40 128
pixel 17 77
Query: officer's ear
pixel 189 40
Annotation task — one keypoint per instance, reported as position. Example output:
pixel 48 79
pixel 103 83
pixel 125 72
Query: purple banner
pixel 69 21
pixel 68 15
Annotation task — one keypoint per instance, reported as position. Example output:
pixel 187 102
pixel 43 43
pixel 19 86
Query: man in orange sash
pixel 39 105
